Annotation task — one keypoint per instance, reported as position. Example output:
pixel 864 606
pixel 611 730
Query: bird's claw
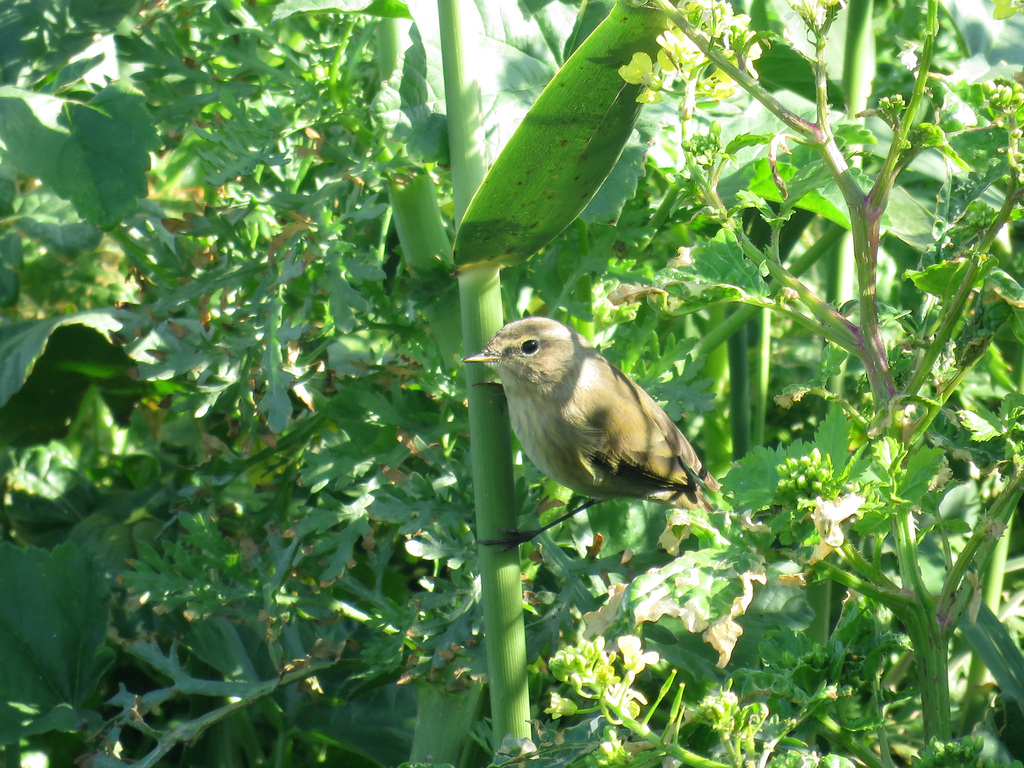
pixel 512 539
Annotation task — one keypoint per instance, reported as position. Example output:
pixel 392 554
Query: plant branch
pixel 868 347
pixel 951 317
pixel 986 533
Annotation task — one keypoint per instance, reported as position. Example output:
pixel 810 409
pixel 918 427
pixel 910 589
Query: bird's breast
pixel 551 438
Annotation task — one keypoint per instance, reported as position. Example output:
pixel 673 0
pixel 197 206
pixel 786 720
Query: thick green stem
pixel 462 97
pixel 975 696
pixel 739 392
pixel 426 246
pixel 491 443
pixel 494 492
pixel 764 361
pixel 859 55
pixel 858 70
pixel 927 638
pixel 931 654
pixel 388 50
pixel 718 451
pixel 898 601
pixel 849 741
pixel 443 718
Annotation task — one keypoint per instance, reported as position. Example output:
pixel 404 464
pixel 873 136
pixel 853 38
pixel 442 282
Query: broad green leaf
pixel 385 8
pixel 46 367
pixel 565 147
pixel 812 188
pixel 22 344
pixel 940 279
pixel 53 621
pixel 717 272
pixel 96 155
pixel 833 438
pixel 909 220
pixel 991 641
pixel 514 55
pixel 1006 288
pixel 38 36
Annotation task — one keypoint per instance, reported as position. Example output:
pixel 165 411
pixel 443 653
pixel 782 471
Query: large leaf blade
pixel 53 621
pixel 565 147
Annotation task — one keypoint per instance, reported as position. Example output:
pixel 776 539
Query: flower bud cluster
pixel 680 58
pixel 1004 100
pixel 1006 8
pixel 806 477
pixel 594 674
pixel 734 721
pixel 816 14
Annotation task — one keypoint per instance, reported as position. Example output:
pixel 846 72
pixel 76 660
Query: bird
pixel 586 424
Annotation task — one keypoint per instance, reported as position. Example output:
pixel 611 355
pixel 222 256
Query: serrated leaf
pixel 939 279
pixel 53 621
pixel 753 480
pixel 96 155
pixel 1012 407
pixel 923 466
pixel 833 438
pixel 981 423
pixel 718 272
pixel 565 147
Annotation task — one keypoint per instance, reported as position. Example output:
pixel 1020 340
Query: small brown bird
pixel 586 424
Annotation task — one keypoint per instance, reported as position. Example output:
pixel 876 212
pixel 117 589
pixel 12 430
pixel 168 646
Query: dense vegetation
pixel 237 502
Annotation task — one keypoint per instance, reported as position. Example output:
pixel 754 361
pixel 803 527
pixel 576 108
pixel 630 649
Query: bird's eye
pixel 530 347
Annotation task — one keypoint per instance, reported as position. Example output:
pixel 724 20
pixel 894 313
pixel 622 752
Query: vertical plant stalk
pixel 462 100
pixel 443 720
pixel 866 211
pixel 388 49
pixel 426 246
pixel 739 391
pixel 715 435
pixel 494 492
pixel 975 698
pixel 764 362
pixel 490 435
pixel 858 70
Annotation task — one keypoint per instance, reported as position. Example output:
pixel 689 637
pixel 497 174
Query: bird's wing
pixel 638 443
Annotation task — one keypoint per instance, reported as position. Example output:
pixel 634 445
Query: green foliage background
pixel 236 508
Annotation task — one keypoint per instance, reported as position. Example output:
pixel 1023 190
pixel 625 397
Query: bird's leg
pixel 515 538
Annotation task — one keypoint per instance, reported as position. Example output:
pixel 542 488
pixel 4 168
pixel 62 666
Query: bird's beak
pixel 481 357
